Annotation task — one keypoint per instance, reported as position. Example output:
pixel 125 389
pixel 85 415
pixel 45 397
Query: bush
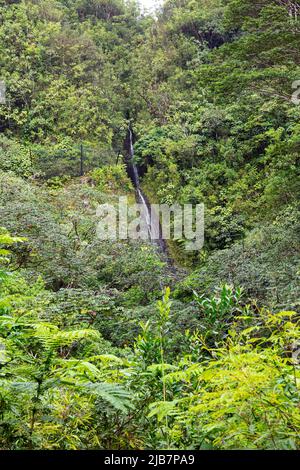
pixel 244 396
pixel 15 157
pixel 112 178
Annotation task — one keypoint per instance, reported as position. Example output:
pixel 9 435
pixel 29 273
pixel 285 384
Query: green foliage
pixel 244 396
pixel 6 241
pixel 239 394
pixel 66 218
pixel 88 358
pixel 15 157
pixel 51 377
pixel 225 130
pixel 266 265
pixel 112 178
pixel 218 311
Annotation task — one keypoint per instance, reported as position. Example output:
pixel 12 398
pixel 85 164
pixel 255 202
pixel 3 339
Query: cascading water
pixel 146 214
pixel 151 219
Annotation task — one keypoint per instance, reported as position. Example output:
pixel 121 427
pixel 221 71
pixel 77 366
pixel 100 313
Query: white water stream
pixel 146 213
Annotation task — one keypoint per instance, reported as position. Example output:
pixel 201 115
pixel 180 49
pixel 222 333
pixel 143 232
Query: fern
pixel 52 338
pixel 116 395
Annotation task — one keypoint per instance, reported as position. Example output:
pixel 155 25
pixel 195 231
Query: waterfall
pixel 134 167
pixel 146 214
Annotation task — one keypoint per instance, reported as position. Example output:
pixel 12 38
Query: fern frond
pixel 52 338
pixel 114 394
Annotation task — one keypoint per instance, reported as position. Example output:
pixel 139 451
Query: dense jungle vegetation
pixel 104 344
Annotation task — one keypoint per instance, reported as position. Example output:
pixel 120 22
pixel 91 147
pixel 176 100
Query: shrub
pixel 112 178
